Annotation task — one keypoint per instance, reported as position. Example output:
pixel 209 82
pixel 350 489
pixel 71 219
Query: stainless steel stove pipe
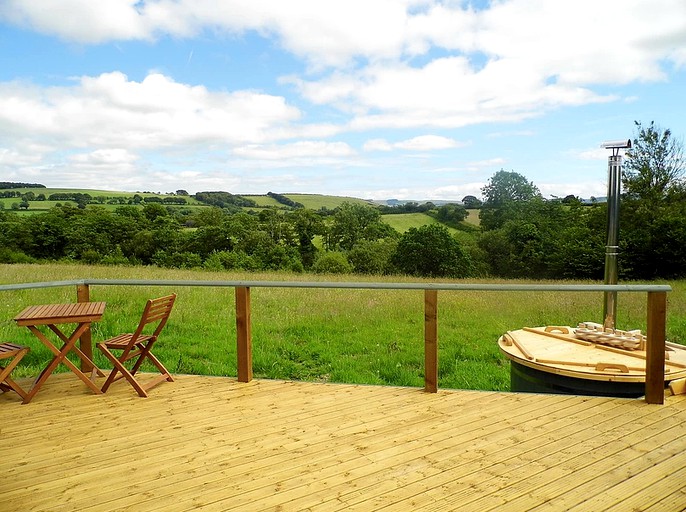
pixel 614 183
pixel 614 186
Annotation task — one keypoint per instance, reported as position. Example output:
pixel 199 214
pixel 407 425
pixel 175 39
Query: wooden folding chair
pixel 16 352
pixel 137 347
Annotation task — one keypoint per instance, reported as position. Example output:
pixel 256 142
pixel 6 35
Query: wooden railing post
pixel 85 342
pixel 655 350
pixel 431 341
pixel 243 334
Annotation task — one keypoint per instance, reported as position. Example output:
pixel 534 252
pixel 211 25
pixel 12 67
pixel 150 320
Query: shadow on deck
pixel 217 444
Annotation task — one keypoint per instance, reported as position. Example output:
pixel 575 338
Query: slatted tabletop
pixel 61 313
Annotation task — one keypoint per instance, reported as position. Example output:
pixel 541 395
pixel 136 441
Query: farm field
pixel 473 217
pixel 317 201
pixel 311 201
pixel 263 200
pixel 325 335
pixel 402 222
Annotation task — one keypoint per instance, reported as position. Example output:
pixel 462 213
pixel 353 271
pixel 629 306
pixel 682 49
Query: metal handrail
pixel 349 285
pixel 656 324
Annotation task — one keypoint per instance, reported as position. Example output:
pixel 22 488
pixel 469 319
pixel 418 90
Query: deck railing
pixel 656 314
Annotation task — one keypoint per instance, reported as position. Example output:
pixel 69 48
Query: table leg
pixel 86 356
pixel 60 357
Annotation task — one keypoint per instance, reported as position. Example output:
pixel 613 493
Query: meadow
pixel 326 335
pixel 402 222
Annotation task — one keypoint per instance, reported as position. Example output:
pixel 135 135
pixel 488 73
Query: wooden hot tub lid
pixel 558 350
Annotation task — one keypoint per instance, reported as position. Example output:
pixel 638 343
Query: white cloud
pixel 478 165
pixel 109 158
pixel 560 37
pixel 510 61
pixel 110 111
pixel 80 20
pixel 428 143
pixel 595 154
pixel 403 65
pixel 377 145
pixel 301 149
pixel 419 143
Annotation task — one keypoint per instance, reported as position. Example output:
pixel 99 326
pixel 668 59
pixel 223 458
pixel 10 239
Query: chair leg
pixel 6 383
pixel 160 367
pixel 119 367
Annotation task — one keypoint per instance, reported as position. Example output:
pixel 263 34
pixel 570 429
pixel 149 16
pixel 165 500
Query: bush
pixel 331 263
pixel 430 251
pixel 116 258
pixel 10 256
pixel 372 257
pixel 177 259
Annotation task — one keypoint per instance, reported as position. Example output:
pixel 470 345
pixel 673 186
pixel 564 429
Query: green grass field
pixel 312 201
pixel 328 335
pixel 473 217
pixel 317 201
pixel 402 222
pixel 263 201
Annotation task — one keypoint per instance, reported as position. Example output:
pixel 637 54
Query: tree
pixel 506 186
pixel 353 222
pixel 527 242
pixel 654 166
pixel 451 214
pixel 503 190
pixel 430 251
pixel 306 224
pixel 471 202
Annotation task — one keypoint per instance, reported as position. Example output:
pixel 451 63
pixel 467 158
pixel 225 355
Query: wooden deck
pixel 216 444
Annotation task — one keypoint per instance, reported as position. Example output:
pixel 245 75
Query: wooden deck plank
pixel 553 478
pixel 271 445
pixel 548 437
pixel 669 503
pixel 648 489
pixel 453 457
pixel 292 459
pixel 366 449
pixel 460 464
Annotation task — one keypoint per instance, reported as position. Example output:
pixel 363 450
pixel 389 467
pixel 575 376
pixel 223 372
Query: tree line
pixel 521 234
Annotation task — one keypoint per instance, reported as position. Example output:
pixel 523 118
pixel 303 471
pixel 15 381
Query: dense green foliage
pixel 431 251
pixel 520 234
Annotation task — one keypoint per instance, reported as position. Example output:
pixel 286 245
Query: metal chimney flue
pixel 614 184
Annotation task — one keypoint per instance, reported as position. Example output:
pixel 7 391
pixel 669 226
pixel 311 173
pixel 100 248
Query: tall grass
pixel 336 335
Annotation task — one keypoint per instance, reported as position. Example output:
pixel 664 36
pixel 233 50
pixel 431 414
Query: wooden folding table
pixel 52 315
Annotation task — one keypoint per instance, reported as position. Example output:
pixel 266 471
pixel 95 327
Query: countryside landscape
pixel 511 234
pixel 343 256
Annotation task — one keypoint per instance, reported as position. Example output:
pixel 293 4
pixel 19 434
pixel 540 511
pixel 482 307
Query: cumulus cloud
pixel 300 149
pixel 510 61
pixel 419 143
pixel 112 111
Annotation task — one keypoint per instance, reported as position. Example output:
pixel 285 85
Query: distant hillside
pixel 402 222
pixel 113 198
pixel 317 201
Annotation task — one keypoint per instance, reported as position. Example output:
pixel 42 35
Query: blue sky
pixel 378 99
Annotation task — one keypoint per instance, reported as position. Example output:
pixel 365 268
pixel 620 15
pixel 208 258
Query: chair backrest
pixel 156 310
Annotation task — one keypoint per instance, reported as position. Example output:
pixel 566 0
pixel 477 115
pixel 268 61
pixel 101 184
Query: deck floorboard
pixel 212 443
